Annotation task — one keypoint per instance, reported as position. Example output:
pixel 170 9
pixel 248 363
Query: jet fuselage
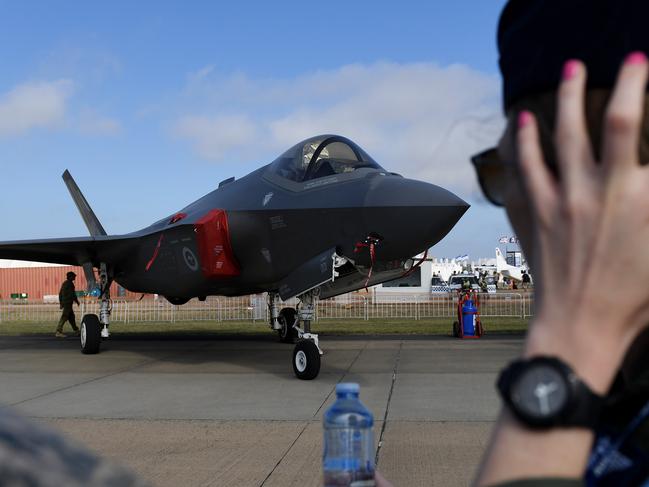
pixel 274 227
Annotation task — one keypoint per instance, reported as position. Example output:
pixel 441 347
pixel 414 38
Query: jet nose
pixel 410 215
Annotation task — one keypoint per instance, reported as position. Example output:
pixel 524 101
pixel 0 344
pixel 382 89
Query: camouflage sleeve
pixel 67 294
pixel 542 482
pixel 31 454
pixel 74 294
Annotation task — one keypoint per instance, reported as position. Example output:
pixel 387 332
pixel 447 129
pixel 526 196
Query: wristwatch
pixel 544 392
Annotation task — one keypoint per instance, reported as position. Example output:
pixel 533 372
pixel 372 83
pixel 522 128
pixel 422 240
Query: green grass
pixel 430 326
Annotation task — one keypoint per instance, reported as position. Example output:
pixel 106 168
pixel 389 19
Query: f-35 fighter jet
pixel 321 220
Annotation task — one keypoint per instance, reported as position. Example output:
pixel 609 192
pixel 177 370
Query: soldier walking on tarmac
pixel 67 296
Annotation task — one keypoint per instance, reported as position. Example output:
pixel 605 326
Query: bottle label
pixel 349 449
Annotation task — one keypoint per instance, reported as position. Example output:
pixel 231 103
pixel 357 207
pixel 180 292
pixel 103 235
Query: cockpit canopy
pixel 321 156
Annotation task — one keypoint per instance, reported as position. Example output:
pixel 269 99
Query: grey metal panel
pixel 311 274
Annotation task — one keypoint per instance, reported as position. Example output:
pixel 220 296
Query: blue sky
pixel 151 104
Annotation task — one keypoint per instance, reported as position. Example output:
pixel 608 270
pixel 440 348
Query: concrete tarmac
pixel 214 410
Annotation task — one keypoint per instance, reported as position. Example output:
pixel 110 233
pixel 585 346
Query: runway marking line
pixel 387 407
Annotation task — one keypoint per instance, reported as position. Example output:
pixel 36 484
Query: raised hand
pixel 591 240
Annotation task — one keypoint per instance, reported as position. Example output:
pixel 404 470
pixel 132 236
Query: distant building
pixel 515 258
pixel 35 281
pixel 419 281
pixel 445 268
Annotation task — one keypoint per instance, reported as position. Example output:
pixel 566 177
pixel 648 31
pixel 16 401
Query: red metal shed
pixel 37 282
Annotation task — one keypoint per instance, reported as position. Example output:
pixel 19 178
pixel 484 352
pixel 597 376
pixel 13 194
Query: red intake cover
pixel 213 237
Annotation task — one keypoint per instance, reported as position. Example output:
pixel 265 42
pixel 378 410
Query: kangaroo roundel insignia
pixel 190 259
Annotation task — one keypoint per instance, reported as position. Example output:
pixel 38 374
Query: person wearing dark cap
pixel 569 171
pixel 67 297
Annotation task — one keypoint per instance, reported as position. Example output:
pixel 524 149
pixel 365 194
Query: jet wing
pixel 93 250
pixel 70 251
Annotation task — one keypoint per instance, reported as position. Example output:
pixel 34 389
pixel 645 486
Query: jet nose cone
pixel 401 192
pixel 411 215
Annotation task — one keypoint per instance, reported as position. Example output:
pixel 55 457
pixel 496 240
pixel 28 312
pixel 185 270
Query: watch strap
pixel 586 406
pixel 582 409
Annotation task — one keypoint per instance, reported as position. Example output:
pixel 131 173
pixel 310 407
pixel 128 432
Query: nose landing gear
pixel 307 352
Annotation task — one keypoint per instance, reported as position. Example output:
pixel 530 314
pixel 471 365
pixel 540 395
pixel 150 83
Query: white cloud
pixel 214 137
pixel 421 120
pixel 92 123
pixel 33 105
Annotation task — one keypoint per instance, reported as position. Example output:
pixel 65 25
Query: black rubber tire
pixel 456 329
pixel 90 334
pixel 306 360
pixel 287 334
pixel 479 330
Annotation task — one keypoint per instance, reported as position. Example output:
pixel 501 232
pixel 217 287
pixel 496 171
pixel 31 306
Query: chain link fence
pixel 254 308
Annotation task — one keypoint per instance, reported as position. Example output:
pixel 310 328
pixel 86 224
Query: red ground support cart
pixel 468 324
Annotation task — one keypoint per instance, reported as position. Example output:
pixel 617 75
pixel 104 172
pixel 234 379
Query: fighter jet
pixel 320 220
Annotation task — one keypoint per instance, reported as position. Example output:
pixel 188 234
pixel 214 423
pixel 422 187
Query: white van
pixel 455 282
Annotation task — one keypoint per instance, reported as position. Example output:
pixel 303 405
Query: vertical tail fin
pixel 501 263
pixel 89 217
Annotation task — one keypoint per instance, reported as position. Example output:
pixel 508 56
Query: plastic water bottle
pixel 348 456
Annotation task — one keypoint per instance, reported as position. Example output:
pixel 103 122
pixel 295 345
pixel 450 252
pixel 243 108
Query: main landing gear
pixel 306 354
pixel 95 328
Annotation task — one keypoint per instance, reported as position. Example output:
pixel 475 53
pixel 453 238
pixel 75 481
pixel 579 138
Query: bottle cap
pixel 347 388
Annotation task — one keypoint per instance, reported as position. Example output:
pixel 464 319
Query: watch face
pixel 540 392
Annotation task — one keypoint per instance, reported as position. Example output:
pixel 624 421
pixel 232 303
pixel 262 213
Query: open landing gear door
pixel 311 274
pixel 213 238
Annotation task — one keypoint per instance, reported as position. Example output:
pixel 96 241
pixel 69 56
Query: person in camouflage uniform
pixel 32 454
pixel 67 297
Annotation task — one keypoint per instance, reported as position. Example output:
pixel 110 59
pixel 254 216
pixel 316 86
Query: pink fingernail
pixel 637 57
pixel 570 69
pixel 524 118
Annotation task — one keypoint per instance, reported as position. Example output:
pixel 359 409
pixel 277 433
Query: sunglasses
pixel 494 175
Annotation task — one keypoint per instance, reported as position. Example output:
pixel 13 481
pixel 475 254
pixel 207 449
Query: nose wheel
pixel 306 359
